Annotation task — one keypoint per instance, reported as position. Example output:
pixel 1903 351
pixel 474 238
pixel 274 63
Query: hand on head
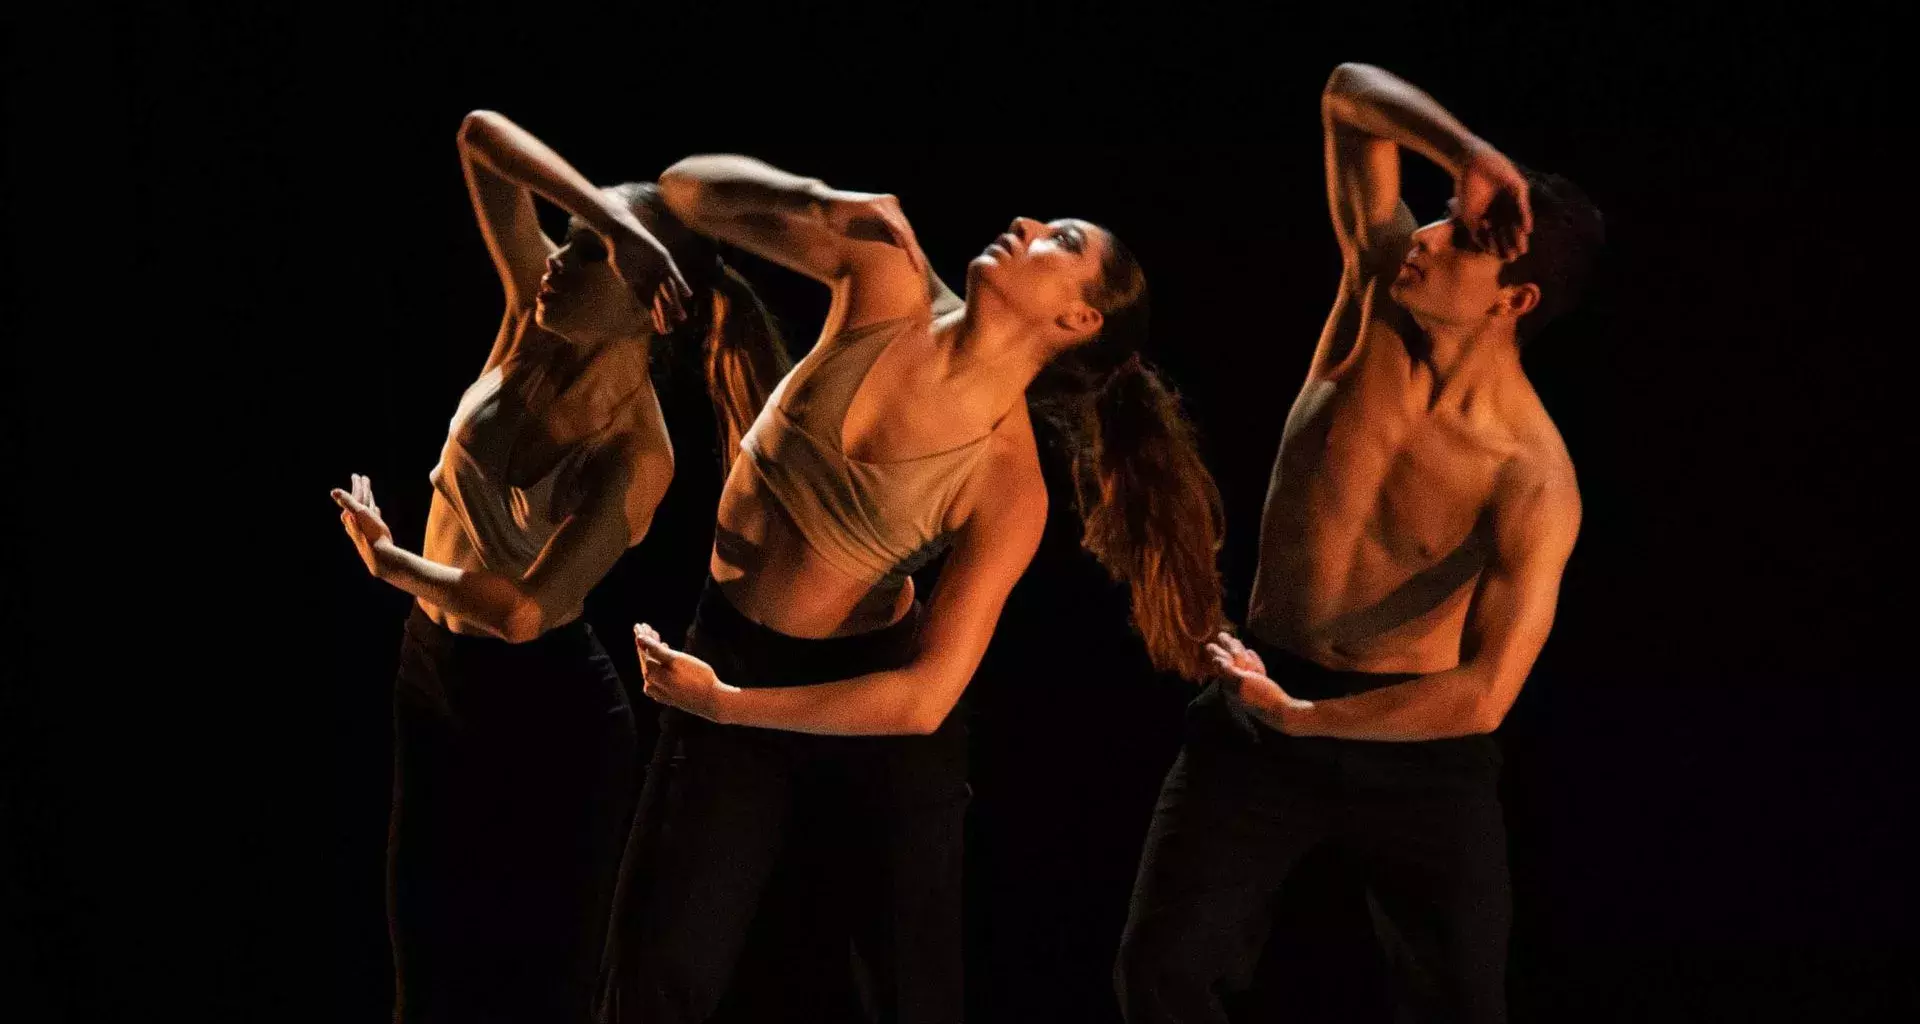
pixel 876 217
pixel 1493 202
pixel 642 263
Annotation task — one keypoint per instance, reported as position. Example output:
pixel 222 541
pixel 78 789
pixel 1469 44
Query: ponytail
pixel 1153 515
pixel 744 357
pixel 1151 512
pixel 741 352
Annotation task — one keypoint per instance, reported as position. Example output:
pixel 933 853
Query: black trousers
pixel 721 802
pixel 515 767
pixel 1243 803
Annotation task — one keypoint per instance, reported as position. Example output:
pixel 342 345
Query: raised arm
pixel 1369 115
pixel 506 166
pixel 1533 524
pixel 504 205
pixel 857 243
pixel 1370 221
pixel 625 486
pixel 989 556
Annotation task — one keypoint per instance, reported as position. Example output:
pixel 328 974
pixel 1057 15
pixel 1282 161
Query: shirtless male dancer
pixel 1419 517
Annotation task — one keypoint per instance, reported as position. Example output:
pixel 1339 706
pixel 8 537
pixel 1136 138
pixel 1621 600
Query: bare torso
pixel 1375 527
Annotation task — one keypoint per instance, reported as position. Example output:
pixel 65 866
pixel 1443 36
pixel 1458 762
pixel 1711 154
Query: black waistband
pixel 1310 680
pixel 762 656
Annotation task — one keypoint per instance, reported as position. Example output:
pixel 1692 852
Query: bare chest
pixel 1357 466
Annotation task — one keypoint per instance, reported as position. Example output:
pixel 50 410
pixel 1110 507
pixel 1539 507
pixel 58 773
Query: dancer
pixel 515 760
pixel 904 431
pixel 1421 511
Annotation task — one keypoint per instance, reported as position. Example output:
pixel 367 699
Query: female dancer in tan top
pixel 905 432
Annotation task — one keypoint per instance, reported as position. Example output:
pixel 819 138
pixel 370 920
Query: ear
pixel 1080 320
pixel 1520 299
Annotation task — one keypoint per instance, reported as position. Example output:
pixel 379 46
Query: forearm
pixel 728 187
pixel 877 704
pixel 1456 702
pixel 486 599
pixel 513 153
pixel 1379 103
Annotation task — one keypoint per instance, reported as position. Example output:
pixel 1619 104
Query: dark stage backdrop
pixel 1707 775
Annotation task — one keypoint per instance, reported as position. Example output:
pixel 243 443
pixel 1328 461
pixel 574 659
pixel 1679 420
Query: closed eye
pixel 586 245
pixel 1459 235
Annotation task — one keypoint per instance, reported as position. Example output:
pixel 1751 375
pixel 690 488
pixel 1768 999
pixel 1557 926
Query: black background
pixel 277 282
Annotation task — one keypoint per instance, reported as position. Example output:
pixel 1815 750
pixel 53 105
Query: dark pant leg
pixel 1426 823
pixel 513 786
pixel 716 825
pixel 419 826
pixel 567 794
pixel 1233 818
pixel 909 796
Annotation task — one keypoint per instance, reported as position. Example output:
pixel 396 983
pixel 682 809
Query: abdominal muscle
pixel 771 574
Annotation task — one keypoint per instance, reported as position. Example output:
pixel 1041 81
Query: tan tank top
pixel 872 520
pixel 509 521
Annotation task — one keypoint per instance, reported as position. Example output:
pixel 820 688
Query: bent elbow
pixel 924 721
pixel 1342 80
pixel 683 192
pixel 1336 97
pixel 1486 715
pixel 524 623
pixel 474 125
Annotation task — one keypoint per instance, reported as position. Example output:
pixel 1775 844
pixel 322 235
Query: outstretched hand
pixel 361 517
pixel 675 678
pixel 1243 669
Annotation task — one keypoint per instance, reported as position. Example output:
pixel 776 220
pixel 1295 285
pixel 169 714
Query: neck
pixel 1458 357
pixel 575 352
pixel 572 358
pixel 983 346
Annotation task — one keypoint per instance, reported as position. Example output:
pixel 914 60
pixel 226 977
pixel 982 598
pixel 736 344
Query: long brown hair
pixel 1150 510
pixel 742 353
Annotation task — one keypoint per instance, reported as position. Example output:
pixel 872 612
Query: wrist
pixel 1299 718
pixel 725 708
pixel 386 559
pixel 611 218
pixel 1469 149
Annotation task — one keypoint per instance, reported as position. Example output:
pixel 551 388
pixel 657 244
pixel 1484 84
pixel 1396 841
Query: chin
pixel 981 268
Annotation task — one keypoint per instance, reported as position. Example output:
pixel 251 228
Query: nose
pixel 1025 228
pixel 1432 236
pixel 553 264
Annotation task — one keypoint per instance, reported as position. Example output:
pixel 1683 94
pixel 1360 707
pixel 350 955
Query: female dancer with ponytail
pixel 514 762
pixel 904 431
